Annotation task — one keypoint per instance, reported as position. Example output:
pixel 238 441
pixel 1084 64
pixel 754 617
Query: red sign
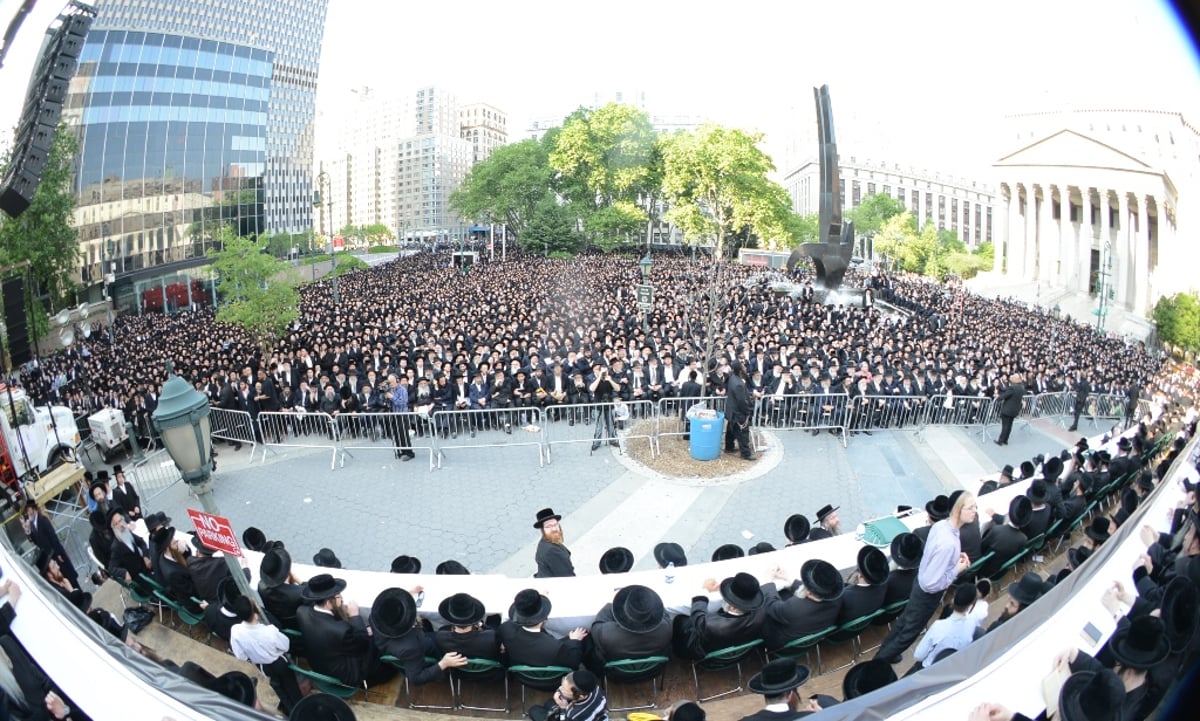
pixel 339 242
pixel 215 532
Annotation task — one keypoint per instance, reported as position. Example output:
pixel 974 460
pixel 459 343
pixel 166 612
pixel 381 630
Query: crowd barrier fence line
pixel 285 429
pixel 544 427
pixel 601 424
pixel 233 426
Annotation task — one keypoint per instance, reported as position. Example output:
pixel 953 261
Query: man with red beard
pixel 553 558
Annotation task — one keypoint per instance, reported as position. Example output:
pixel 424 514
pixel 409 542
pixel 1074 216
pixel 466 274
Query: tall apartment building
pixel 190 114
pixel 961 206
pixel 485 126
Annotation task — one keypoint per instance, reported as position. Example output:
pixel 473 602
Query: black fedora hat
pixel 1027 469
pixel 760 547
pixel 907 549
pixel 114 512
pixel 1007 470
pixel 1129 501
pixel 163 536
pixel 1027 590
pixel 102 475
pixel 742 592
pixel 228 591
pixel 157 519
pixel 101 484
pixel 1038 492
pixel 1146 481
pixel 462 609
pixel 872 565
pixel 406 564
pixel 638 609
pixel 669 552
pixel 866 677
pixel 822 580
pixel 393 613
pixel 200 547
pixel 254 539
pixel 275 567
pixel 1124 444
pixel 617 559
pixel 1052 468
pixel 326 559
pixel 796 528
pixel 939 508
pixel 1180 612
pixel 235 685
pixel 451 568
pixel 1020 511
pixel 727 552
pixel 1142 644
pixel 1098 530
pixel 321 587
pixel 1078 555
pixel 1091 696
pixel 687 711
pixel 545 515
pixel 321 707
pixel 778 677
pixel 529 607
pixel 825 511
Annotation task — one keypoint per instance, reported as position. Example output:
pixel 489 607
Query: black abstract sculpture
pixel 831 255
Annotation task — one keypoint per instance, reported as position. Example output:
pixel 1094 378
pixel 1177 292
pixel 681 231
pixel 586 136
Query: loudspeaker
pixel 13 291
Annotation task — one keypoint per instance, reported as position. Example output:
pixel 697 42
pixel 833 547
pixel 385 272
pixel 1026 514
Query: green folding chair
pixel 477 669
pixel 538 678
pixel 968 575
pixel 191 620
pixel 328 684
pixel 852 631
pixel 802 646
pixel 635 670
pixel 721 659
pixel 395 662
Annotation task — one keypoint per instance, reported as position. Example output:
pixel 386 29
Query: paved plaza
pixel 478 508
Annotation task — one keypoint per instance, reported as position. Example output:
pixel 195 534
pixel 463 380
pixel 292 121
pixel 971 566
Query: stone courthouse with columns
pixel 1104 201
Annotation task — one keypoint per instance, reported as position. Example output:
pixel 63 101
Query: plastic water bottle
pixel 670 577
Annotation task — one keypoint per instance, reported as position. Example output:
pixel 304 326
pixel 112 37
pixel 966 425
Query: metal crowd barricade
pixel 297 430
pixel 947 409
pixel 804 412
pixel 152 476
pixel 671 414
pixel 486 428
pixel 231 425
pixel 586 423
pixel 383 431
pixel 1055 405
pixel 889 412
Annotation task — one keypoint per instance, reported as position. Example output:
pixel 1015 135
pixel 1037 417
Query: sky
pixel 924 84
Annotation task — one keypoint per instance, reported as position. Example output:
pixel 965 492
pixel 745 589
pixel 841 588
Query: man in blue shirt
pixel 399 396
pixel 952 633
pixel 941 563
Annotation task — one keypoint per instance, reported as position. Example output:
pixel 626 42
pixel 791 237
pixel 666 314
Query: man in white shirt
pixel 266 647
pixel 952 633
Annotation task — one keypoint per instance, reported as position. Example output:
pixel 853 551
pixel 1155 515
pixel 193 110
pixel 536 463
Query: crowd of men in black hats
pixel 535 332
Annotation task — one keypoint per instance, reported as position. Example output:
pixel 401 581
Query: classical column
pixel 1000 235
pixel 1106 236
pixel 1047 239
pixel 1141 256
pixel 1087 236
pixel 1122 261
pixel 1029 251
pixel 1066 274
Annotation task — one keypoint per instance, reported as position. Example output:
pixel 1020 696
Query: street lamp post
pixel 646 291
pixel 182 420
pixel 321 202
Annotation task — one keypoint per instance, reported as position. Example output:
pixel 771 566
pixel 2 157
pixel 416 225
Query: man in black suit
pixel 778 682
pixel 396 633
pixel 1004 538
pixel 738 408
pixel 173 570
pixel 465 632
pixel 634 625
pixel 739 619
pixel 1009 401
pixel 1083 389
pixel 526 641
pixel 906 556
pixel 130 555
pixel 207 571
pixel 41 531
pixel 125 496
pixel 281 595
pixel 336 637
pixel 809 609
pixel 866 588
pixel 552 556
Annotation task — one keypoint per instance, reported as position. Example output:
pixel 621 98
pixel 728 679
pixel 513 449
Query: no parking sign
pixel 215 532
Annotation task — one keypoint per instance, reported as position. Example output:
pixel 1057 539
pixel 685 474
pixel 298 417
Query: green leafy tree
pixel 874 210
pixel 1178 320
pixel 966 265
pixel 508 187
pixel 948 242
pixel 607 152
pixel 280 244
pixel 715 180
pixel 44 234
pixel 987 252
pixel 378 234
pixel 806 228
pixel 551 229
pixel 256 290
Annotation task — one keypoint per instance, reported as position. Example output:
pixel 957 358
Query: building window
pixel 856 190
pixel 870 189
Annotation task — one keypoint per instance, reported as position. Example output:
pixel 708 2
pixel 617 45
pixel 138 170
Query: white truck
pixel 35 437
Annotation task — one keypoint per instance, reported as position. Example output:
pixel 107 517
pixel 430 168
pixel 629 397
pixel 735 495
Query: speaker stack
pixel 43 108
pixel 13 291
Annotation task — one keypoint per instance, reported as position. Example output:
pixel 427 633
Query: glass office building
pixel 190 115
